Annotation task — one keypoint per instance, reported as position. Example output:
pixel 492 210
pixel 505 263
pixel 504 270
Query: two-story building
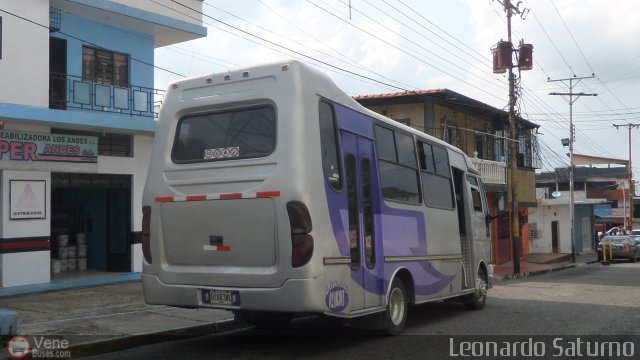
pixel 482 132
pixel 601 201
pixel 77 119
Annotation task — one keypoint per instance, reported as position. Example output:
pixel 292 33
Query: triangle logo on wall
pixel 27 199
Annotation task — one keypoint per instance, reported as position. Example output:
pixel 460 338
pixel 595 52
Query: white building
pixel 77 103
pixel 600 196
pixel 550 224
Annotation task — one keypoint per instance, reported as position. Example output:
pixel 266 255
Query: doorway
pixel 554 236
pixel 93 210
pixel 359 151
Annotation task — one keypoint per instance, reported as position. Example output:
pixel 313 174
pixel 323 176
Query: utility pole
pixel 630 173
pixel 571 98
pixel 503 61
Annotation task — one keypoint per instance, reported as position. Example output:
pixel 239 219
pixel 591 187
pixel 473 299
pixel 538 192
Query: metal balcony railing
pixel 492 172
pixel 68 91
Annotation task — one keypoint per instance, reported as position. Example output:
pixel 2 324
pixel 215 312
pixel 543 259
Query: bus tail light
pixel 146 233
pixel 301 241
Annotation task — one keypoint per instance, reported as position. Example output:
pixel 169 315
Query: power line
pixel 571 35
pixel 401 50
pixel 289 49
pixel 550 39
pixel 419 45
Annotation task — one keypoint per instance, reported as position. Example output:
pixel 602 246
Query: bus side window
pixel 476 195
pixel 329 146
pixel 398 166
pixel 436 176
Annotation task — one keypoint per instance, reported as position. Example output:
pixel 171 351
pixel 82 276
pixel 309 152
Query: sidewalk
pixel 113 317
pixel 107 318
pixel 539 263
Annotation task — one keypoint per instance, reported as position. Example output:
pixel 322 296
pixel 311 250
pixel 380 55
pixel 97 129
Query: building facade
pixel 482 132
pixel 77 118
pixel 601 201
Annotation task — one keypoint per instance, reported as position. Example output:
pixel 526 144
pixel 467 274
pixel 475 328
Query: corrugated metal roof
pixel 442 95
pixel 399 94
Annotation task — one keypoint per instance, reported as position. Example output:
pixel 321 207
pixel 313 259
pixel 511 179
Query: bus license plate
pixel 220 297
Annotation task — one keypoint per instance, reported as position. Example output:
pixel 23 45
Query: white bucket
pixel 63 252
pixel 71 264
pixel 63 240
pixel 55 266
pixel 71 252
pixel 81 239
pixel 82 263
pixel 82 250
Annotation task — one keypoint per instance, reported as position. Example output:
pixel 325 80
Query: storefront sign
pixel 602 209
pixel 619 212
pixel 29 146
pixel 28 199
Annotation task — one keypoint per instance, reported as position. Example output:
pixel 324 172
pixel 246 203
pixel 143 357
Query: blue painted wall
pixel 80 31
pixel 582 211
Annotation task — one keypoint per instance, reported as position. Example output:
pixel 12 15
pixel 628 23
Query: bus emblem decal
pixel 336 296
pixel 221 153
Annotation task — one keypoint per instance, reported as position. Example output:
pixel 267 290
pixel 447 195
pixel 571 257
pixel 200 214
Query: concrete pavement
pixel 112 317
pixel 107 318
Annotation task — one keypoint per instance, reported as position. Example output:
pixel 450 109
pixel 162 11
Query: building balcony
pixel 72 92
pixel 492 172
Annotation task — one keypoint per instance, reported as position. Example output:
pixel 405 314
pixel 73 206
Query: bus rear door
pixel 366 271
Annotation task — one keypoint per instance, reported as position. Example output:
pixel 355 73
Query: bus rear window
pixel 231 135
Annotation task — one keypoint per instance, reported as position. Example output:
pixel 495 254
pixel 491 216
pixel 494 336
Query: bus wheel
pixel 477 300
pixel 396 314
pixel 264 319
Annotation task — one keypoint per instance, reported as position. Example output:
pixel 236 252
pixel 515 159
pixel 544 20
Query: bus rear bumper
pixel 295 295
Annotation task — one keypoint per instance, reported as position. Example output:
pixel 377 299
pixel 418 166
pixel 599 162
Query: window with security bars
pixel 105 67
pixel 108 144
pixel 450 135
pixel 527 147
pixel 533 231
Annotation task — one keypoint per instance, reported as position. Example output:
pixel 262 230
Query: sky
pixel 382 46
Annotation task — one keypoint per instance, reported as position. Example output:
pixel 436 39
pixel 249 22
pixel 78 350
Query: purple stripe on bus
pixel 397 232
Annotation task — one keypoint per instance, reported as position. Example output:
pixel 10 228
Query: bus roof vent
pixel 285 67
pixel 227 77
pixel 208 80
pixel 245 74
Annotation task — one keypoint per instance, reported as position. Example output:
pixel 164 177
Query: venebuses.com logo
pixel 38 347
pixel 18 347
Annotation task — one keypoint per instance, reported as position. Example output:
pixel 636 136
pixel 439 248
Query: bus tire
pixel 478 299
pixel 264 319
pixel 396 313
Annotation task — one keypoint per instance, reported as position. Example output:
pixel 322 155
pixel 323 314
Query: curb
pixel 62 285
pixel 132 341
pixel 539 272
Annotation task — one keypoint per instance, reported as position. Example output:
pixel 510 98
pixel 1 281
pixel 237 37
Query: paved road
pixel 588 300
